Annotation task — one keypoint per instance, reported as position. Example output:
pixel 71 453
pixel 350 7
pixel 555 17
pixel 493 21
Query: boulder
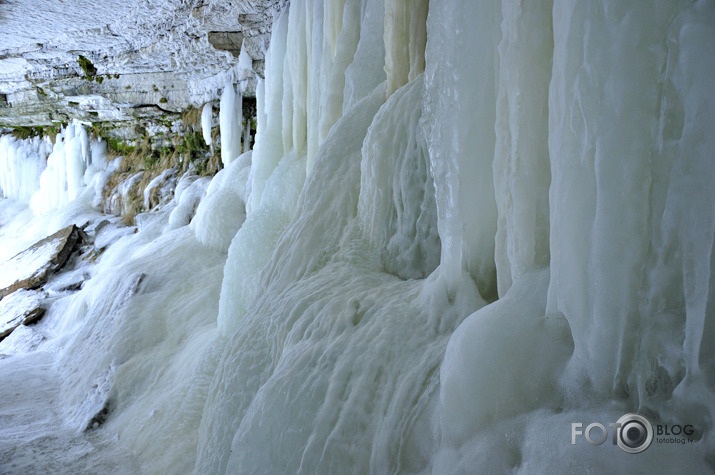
pixel 20 308
pixel 32 267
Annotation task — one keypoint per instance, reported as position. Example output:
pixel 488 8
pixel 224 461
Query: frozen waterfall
pixel 464 227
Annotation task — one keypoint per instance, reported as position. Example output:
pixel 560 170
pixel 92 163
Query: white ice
pixel 464 226
pixel 230 118
pixel 206 119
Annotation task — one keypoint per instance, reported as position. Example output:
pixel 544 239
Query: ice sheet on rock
pixel 188 194
pixel 34 437
pixel 67 281
pixel 118 335
pixel 397 204
pixel 23 339
pixel 20 308
pixel 161 187
pixel 111 232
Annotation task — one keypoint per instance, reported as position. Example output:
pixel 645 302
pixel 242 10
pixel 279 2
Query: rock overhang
pixel 128 61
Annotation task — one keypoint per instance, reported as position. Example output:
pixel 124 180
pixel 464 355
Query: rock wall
pixel 127 62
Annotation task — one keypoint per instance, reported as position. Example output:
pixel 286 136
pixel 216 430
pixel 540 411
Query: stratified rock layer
pixel 124 61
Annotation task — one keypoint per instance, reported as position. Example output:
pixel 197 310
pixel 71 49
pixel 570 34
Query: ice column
pixel 21 164
pixel 460 92
pixel 75 160
pixel 521 159
pixel 269 142
pixel 64 176
pixel 405 38
pixel 631 199
pixel 230 117
pixel 367 69
pixel 206 114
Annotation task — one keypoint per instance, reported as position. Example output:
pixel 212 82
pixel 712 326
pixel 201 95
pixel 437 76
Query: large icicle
pixel 460 92
pixel 405 38
pixel 630 208
pixel 206 118
pixel 230 118
pixel 522 173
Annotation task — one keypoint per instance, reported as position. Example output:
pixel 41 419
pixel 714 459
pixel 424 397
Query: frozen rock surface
pixel 20 308
pixel 31 268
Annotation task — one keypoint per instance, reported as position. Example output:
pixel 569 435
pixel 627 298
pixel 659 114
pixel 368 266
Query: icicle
pixel 21 165
pixel 245 63
pixel 230 118
pixel 206 117
pixel 247 136
pixel 521 157
pixel 462 156
pixel 405 39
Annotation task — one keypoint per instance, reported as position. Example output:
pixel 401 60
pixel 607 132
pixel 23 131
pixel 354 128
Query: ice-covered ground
pixel 34 437
pixel 464 227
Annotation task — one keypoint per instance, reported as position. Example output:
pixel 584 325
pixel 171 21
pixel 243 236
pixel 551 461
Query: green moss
pixel 119 146
pixel 151 160
pixel 163 100
pixel 99 79
pixel 127 87
pixel 87 66
pixel 25 132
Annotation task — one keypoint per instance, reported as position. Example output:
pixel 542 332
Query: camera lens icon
pixel 635 433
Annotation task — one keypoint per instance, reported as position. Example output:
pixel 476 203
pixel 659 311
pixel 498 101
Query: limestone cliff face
pixel 125 61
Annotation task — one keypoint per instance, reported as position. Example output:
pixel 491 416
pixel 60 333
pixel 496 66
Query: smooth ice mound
pixel 464 226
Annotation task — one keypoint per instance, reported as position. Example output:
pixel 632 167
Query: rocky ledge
pixel 125 61
pixel 22 300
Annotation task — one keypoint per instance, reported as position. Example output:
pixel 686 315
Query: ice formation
pixel 230 117
pixel 22 163
pixel 206 119
pixel 464 226
pixel 73 163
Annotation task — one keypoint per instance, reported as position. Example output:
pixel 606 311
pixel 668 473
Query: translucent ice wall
pixel 632 219
pixel 464 226
pixel 551 159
